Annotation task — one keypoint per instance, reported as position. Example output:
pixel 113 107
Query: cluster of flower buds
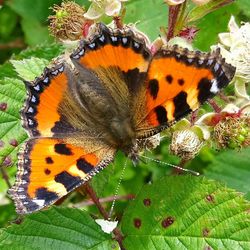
pixel 71 22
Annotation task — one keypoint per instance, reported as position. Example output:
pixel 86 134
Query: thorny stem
pixel 215 106
pixel 93 196
pixel 5 176
pixel 172 19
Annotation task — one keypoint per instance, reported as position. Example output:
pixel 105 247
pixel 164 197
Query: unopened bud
pixel 233 133
pixel 185 144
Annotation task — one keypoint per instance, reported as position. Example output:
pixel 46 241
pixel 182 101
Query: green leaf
pixel 45 50
pixel 34 9
pixel 57 228
pixel 35 32
pixel 8 21
pixel 29 69
pixel 150 16
pixel 100 181
pixel 201 10
pixel 232 168
pixel 12 95
pixel 7 70
pixel 209 28
pixel 187 212
pixel 8 213
pixel 244 5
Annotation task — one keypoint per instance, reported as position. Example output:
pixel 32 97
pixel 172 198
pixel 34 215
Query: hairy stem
pixel 172 19
pixel 215 106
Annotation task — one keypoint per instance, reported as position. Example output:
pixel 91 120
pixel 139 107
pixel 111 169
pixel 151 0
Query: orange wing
pixel 123 49
pixel 40 113
pixel 50 168
pixel 179 81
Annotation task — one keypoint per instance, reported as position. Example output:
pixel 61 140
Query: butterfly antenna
pixel 117 189
pixel 171 165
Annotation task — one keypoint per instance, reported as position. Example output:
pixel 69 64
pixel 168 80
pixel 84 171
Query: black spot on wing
pixel 204 86
pixel 181 106
pixel 68 181
pixel 161 114
pixel 47 171
pixel 169 79
pixel 222 80
pixel 153 86
pixel 49 160
pixel 44 194
pixel 62 149
pixel 134 79
pixel 84 165
pixel 62 126
pixel 181 82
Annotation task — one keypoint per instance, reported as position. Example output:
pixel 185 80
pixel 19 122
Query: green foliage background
pixel 222 223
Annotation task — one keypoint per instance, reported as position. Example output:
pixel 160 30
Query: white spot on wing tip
pixel 39 202
pixel 214 88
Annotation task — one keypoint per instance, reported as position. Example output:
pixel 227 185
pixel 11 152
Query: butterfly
pixel 116 95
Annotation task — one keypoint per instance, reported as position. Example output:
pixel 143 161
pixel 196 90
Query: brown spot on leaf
pixel 205 232
pixel 137 223
pixel 3 106
pixel 147 202
pixel 210 198
pixel 13 142
pixel 207 248
pixel 167 222
pixel 1 143
pixel 7 161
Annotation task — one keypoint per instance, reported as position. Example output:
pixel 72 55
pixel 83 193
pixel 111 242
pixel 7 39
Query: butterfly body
pixel 116 95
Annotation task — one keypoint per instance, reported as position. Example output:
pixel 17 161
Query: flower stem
pixel 215 106
pixel 116 231
pixel 172 19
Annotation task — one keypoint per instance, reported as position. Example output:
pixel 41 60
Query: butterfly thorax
pixel 122 134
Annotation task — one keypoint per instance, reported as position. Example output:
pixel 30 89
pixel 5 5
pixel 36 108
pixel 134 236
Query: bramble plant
pixel 152 205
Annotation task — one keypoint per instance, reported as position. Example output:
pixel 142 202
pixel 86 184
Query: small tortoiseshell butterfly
pixel 117 95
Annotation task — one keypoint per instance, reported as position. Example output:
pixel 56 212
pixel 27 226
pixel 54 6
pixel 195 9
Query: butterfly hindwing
pixel 49 168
